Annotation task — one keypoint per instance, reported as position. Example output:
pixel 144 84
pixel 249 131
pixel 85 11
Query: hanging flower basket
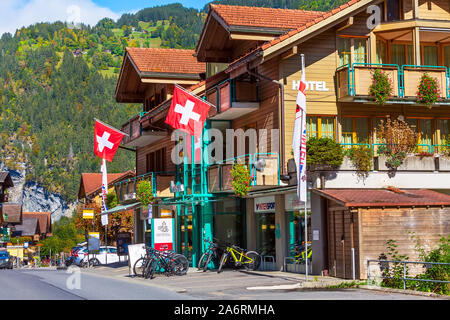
pixel 428 91
pixel 381 88
pixel 241 179
pixel 144 192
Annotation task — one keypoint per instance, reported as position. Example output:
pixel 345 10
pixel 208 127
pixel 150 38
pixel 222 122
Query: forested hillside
pixel 57 79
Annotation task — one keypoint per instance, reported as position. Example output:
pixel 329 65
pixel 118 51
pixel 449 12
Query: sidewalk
pixel 198 282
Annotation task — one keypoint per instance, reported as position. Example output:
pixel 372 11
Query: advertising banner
pixel 94 242
pixel 135 252
pixel 123 240
pixel 163 234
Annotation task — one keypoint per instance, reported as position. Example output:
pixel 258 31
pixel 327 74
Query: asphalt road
pixel 44 284
pixel 52 285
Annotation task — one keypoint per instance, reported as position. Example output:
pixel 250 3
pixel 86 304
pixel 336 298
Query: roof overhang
pixel 132 82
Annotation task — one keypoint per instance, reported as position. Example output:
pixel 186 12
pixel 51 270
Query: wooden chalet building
pixel 253 67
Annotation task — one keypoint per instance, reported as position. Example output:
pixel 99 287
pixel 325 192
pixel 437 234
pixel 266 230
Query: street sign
pixel 88 213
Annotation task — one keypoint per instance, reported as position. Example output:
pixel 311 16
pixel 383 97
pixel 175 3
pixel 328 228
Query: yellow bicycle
pixel 250 259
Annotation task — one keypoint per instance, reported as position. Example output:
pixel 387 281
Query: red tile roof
pixel 322 16
pixel 92 182
pixel 45 220
pixel 264 17
pixel 166 60
pixel 386 197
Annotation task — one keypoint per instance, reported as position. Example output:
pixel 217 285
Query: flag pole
pixel 306 191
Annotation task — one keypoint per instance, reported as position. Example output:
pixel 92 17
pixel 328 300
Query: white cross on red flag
pixel 187 112
pixel 106 140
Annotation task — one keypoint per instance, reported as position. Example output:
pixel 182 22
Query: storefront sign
pixel 291 202
pixel 166 213
pixel 163 235
pixel 265 204
pixel 123 241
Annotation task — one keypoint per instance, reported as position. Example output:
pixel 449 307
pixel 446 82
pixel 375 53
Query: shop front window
pixel 186 235
pixel 265 236
pixel 229 221
pixel 320 127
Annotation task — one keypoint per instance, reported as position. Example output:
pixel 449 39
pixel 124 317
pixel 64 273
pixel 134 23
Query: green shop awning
pixel 121 208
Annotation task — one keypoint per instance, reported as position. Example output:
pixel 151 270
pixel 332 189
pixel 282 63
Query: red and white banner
pixel 106 140
pixel 299 139
pixel 187 112
pixel 104 192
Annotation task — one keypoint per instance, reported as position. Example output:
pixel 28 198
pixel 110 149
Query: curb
pixel 407 292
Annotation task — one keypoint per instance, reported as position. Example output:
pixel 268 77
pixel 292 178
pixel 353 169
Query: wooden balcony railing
pixel 126 190
pixel 264 170
pixel 354 80
pixel 233 98
pixel 138 135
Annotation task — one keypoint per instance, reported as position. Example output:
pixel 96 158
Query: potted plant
pixel 428 91
pixel 361 157
pixel 241 179
pixel 323 154
pixel 144 193
pixel 399 140
pixel 381 88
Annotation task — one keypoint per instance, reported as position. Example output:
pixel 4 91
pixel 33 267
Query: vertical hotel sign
pixel 88 214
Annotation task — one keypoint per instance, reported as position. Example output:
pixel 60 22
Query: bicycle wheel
pixel 253 265
pixel 139 267
pixel 223 260
pixel 205 267
pixel 202 260
pixel 150 269
pixel 181 265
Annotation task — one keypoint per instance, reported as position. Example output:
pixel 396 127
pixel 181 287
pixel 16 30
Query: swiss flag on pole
pixel 187 112
pixel 106 140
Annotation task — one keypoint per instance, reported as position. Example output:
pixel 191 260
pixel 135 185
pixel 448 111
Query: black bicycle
pixel 166 262
pixel 211 252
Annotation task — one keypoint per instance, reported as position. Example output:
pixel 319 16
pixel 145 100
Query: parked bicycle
pixel 234 254
pixel 211 252
pixel 299 255
pixel 166 262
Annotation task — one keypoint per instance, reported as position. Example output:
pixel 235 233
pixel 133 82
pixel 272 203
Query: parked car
pixel 107 254
pixel 5 260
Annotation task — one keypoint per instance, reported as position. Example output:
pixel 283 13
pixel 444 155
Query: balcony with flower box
pixel 354 81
